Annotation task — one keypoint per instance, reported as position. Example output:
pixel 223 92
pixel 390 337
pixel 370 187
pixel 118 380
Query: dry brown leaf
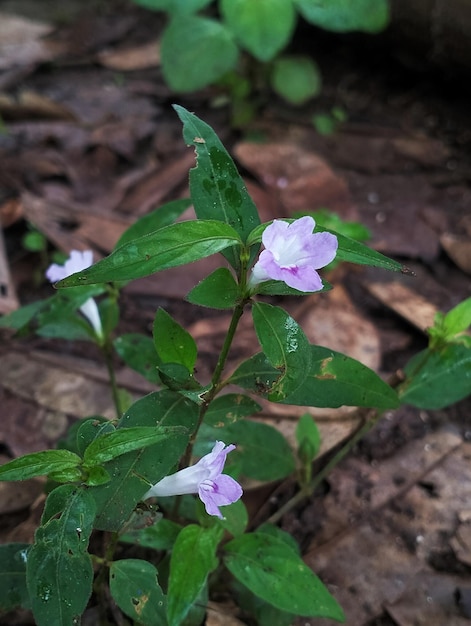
pixel 458 249
pixel 137 58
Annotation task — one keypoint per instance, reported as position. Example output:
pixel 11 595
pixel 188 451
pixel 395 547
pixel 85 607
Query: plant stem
pixel 216 378
pixel 309 489
pixel 107 353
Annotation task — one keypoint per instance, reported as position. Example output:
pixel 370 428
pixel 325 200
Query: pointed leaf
pixel 219 290
pixel 204 45
pixel 59 569
pixel 342 16
pixel 170 246
pixel 217 189
pixel 138 352
pixel 263 27
pixel 172 342
pixel 285 345
pixel 334 379
pixel 436 379
pixel 134 587
pixel 39 464
pixel 188 575
pixel 274 572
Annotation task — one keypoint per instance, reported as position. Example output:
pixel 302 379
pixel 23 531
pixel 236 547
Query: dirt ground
pixel 91 143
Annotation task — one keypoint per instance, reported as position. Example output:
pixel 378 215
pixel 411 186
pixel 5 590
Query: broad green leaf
pixel 13 590
pixel 276 531
pixel 437 379
pixel 124 440
pixel 59 570
pixel 262 452
pixel 334 379
pixel 172 342
pixel 90 429
pixel 341 16
pixel 195 52
pixel 174 6
pixel 133 472
pixel 217 189
pixel 178 378
pixel 163 216
pixel 296 78
pixel 235 518
pixel 285 345
pixel 134 587
pixel 263 612
pixel 256 374
pixel 21 317
pixel 219 290
pixel 230 408
pixel 274 572
pixel 138 352
pixel 159 536
pixel 308 438
pixel 188 575
pixel 170 246
pixel 263 27
pixel 39 464
pixel 458 319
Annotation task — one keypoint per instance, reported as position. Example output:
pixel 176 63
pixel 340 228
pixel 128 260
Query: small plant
pixel 200 50
pixel 167 473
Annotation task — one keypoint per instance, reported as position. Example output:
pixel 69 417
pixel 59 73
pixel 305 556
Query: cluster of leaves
pixel 101 472
pixel 199 50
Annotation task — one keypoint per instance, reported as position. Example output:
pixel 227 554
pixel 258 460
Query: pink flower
pixel 77 262
pixel 205 478
pixel 293 253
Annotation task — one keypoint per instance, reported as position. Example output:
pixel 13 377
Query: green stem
pixel 216 378
pixel 108 355
pixel 308 489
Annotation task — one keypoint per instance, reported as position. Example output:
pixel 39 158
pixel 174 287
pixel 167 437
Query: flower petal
pixel 220 492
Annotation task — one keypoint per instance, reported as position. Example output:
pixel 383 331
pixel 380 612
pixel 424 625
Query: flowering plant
pixel 134 479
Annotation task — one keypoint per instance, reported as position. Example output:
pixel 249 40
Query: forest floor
pixel 91 143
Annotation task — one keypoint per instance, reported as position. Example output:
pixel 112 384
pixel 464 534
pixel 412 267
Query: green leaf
pixel 170 246
pixel 39 464
pixel 277 532
pixel 13 590
pixel 230 408
pixel 188 575
pixel 159 536
pixel 155 220
pixel 219 290
pixel 274 572
pixel 308 438
pixel 21 317
pixel 296 78
pixel 235 518
pixel 256 374
pixel 437 379
pixel 172 342
pixel 458 319
pixel 138 352
pixel 334 379
pixel 341 16
pixel 174 6
pixel 134 587
pixel 124 440
pixel 285 345
pixel 132 473
pixel 217 189
pixel 59 569
pixel 195 52
pixel 262 452
pixel 263 27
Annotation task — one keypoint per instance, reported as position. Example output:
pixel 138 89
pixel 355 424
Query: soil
pixel 383 529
